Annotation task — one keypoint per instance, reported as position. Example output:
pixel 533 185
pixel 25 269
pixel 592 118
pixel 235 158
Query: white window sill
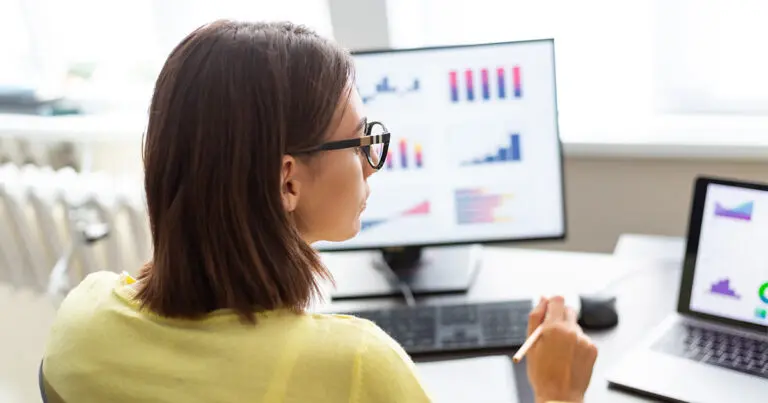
pixel 705 137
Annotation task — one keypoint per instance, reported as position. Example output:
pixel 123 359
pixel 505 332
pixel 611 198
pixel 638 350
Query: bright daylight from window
pixel 629 71
pixel 626 70
pixel 103 56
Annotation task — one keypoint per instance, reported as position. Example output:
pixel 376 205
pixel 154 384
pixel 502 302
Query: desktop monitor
pixel 474 157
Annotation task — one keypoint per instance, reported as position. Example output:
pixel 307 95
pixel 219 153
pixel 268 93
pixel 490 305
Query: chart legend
pixel 405 156
pixel 509 152
pixel 503 78
pixel 478 206
pixel 422 208
pixel 740 212
pixel 723 287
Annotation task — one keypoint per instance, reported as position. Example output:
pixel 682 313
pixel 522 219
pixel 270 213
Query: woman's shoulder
pixel 87 298
pixel 370 338
pixel 94 286
pixel 383 370
pixel 347 324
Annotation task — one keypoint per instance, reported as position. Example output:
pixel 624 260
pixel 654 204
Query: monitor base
pixel 426 271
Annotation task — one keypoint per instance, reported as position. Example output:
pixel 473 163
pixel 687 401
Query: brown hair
pixel 230 101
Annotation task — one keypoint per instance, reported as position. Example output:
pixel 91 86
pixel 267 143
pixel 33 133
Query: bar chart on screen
pixel 509 151
pixel 404 155
pixel 485 84
pixel 478 205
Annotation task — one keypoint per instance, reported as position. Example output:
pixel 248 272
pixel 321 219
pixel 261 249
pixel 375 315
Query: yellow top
pixel 102 348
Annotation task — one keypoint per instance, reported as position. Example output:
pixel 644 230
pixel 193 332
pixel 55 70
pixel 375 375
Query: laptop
pixel 714 348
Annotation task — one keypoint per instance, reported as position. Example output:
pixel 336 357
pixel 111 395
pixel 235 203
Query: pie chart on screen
pixel 763 293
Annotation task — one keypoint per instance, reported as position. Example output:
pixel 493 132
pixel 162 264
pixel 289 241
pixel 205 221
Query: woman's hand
pixel 560 363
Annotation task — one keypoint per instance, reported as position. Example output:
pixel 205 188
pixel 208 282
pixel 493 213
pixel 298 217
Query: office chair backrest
pixel 47 393
pixel 41 383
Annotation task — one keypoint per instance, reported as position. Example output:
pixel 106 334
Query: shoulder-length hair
pixel 231 100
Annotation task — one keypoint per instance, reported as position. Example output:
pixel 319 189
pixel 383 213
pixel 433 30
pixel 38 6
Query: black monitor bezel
pixel 556 237
pixel 692 246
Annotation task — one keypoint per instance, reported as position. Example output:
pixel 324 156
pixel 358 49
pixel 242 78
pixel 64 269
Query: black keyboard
pixel 743 354
pixel 439 328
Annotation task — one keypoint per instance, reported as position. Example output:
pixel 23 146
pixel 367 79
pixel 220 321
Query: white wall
pixel 608 197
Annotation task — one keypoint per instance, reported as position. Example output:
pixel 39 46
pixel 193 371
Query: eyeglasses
pixel 374 144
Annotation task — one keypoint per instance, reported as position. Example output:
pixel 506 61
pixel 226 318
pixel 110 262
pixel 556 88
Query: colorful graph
pixel 486 92
pixel 723 287
pixel 762 292
pixel 383 87
pixel 404 156
pixel 422 208
pixel 740 212
pixel 478 206
pixel 505 153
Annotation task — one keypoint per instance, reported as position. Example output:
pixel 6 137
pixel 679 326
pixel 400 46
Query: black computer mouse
pixel 598 312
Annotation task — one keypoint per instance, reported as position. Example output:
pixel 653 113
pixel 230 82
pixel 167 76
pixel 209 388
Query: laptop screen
pixel 731 275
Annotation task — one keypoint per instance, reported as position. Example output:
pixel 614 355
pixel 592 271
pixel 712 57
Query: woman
pixel 257 146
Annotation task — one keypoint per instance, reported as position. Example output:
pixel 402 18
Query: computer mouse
pixel 598 312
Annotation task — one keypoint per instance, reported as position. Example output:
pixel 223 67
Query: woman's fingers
pixel 571 316
pixel 556 310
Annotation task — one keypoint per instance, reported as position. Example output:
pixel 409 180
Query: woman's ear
pixel 289 183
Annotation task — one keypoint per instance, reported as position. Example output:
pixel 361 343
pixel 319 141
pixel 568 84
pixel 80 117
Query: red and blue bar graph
pixel 454 81
pixel 470 85
pixel 486 86
pixel 500 82
pixel 515 79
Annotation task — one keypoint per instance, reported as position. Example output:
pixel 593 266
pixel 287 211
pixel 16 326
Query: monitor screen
pixel 475 152
pixel 730 279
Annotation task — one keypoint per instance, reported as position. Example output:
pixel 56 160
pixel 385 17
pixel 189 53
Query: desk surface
pixel 646 292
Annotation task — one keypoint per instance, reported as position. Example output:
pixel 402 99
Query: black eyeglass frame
pixel 363 142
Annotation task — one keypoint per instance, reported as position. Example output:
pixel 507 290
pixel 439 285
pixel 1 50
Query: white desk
pixel 646 291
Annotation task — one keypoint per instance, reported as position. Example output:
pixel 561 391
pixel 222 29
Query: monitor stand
pixel 429 270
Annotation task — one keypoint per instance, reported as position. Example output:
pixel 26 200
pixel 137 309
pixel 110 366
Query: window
pixel 16 52
pixel 630 69
pixel 711 57
pixel 106 54
pixel 603 53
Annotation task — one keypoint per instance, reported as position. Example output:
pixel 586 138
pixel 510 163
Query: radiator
pixel 75 222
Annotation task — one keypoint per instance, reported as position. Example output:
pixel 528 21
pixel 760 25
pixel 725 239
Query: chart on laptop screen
pixel 731 276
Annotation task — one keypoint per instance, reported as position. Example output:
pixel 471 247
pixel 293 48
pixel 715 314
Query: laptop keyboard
pixel 727 350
